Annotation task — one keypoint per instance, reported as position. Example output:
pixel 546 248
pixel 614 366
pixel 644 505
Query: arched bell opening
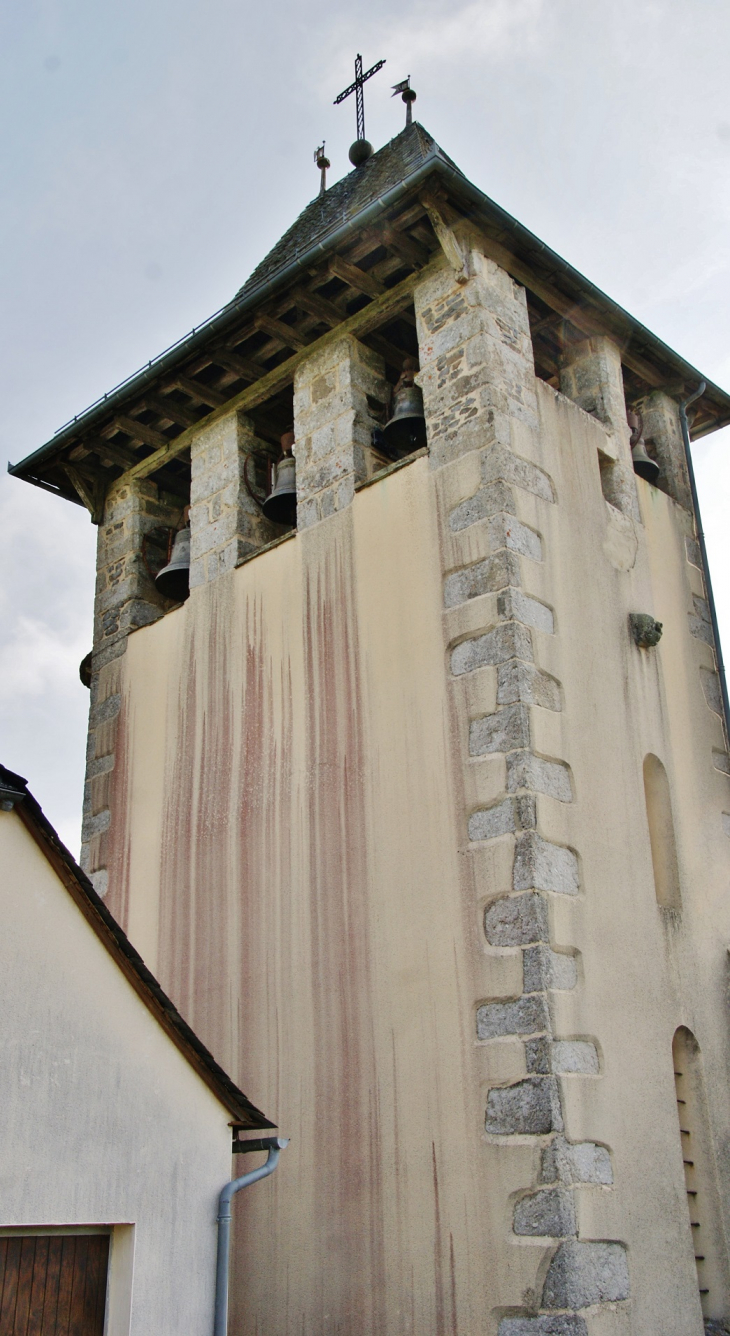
pixel 399 424
pixel 270 465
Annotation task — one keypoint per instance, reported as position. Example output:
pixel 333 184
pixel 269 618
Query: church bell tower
pixel 414 789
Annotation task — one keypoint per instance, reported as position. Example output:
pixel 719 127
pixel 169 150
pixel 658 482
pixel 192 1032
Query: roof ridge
pixel 346 198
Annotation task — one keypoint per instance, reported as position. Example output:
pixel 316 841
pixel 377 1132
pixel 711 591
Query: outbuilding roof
pixel 14 793
pixel 349 263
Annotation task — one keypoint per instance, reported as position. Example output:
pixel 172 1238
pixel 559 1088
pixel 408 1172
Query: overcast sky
pixel 154 150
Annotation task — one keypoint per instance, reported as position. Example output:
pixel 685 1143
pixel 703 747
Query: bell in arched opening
pixel 644 465
pixel 406 430
pixel 281 503
pixel 173 581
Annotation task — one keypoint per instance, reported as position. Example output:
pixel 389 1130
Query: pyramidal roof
pixel 364 187
pixel 340 262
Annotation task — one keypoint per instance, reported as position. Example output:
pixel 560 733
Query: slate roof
pixel 356 192
pixel 14 793
pixel 364 196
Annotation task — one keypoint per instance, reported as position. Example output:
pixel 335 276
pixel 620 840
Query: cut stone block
pixel 528 1108
pixel 517 920
pixel 524 682
pixel 502 731
pixel 544 867
pixel 711 688
pixel 506 531
pixel 484 577
pixel 550 1213
pixel 582 1274
pixel 487 501
pixel 543 968
pixel 492 821
pixel 526 1015
pixel 527 771
pixel 518 607
pixel 506 641
pixel 576 1056
pixel 581 1162
pixel 499 463
pixel 559 1324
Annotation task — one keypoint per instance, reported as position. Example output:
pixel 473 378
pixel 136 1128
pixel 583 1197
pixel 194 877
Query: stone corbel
pixel 448 240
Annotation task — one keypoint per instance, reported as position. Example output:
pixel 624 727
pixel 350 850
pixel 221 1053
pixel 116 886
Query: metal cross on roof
pixel 356 88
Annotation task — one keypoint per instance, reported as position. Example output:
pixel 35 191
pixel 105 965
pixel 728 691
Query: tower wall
pixel 386 844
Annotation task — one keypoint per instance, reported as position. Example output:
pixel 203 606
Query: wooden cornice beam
pixel 586 321
pixel 91 491
pixel 445 235
pixel 111 453
pixel 236 362
pixel 360 324
pixel 395 357
pixel 278 329
pixel 139 431
pixel 355 277
pixel 319 307
pixel 167 408
pixel 205 394
pixel 403 245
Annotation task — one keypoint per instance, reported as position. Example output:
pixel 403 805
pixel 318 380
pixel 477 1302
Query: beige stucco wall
pixel 294 794
pixel 102 1121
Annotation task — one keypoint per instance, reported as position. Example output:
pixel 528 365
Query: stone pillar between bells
pixel 126 598
pixel 660 415
pixel 226 524
pixel 337 391
pixel 591 376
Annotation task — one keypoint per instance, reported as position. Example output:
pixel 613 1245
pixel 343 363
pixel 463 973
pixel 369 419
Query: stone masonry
pixel 591 376
pixel 226 524
pixel 336 393
pixel 125 599
pixel 478 380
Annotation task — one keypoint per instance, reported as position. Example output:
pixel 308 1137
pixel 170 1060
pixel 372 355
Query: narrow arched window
pixel 661 833
pixel 705 1218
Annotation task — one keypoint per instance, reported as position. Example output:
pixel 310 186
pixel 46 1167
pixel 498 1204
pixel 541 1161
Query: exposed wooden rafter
pixel 278 329
pixel 362 323
pixel 355 277
pixel 205 394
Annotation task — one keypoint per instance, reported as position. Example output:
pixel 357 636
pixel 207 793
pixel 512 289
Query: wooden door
pixel 53 1285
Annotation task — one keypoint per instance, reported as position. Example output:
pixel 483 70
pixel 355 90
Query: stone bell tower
pixel 420 810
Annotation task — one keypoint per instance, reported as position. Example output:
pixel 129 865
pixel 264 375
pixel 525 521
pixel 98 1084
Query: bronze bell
pixel 281 503
pixel 174 579
pixel 644 465
pixel 406 430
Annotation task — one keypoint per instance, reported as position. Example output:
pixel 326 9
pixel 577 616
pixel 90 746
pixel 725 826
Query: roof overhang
pixel 188 383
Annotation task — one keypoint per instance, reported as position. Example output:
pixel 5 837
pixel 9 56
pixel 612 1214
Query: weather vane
pixel 408 95
pixel 361 150
pixel 323 163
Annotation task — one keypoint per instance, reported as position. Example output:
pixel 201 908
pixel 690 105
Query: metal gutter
pixel 703 555
pixel 225 316
pixel 221 319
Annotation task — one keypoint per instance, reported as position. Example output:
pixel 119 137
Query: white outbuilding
pixel 115 1121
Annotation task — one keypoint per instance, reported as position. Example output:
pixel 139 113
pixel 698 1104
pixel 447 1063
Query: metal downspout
pixel 684 405
pixel 274 1145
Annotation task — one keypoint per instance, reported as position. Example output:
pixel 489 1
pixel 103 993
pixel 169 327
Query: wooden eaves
pixel 356 278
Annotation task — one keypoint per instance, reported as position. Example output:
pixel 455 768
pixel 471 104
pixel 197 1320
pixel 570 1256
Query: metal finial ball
pixel 360 151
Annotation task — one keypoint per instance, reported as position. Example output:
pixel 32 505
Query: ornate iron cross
pixel 356 88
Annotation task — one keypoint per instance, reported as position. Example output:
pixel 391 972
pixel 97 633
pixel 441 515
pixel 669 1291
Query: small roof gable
pixel 14 793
